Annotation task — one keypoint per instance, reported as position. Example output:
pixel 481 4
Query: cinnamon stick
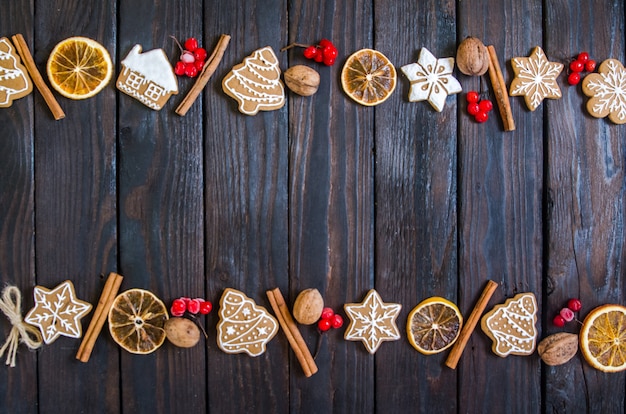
pixel 29 63
pixel 209 68
pixel 499 88
pixel 468 328
pixel 109 292
pixel 291 331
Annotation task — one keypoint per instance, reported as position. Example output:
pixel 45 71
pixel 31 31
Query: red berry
pixel 329 52
pixel 310 52
pixel 179 69
pixel 473 108
pixel 472 97
pixel 337 321
pixel 590 66
pixel 193 306
pixel 573 78
pixel 326 42
pixel 328 61
pixel 567 314
pixel 178 307
pixel 200 54
pixel 191 70
pixel 199 64
pixel 574 305
pixel 558 321
pixel 319 56
pixel 187 57
pixel 583 57
pixel 485 105
pixel 481 117
pixel 191 44
pixel 577 66
pixel 206 307
pixel 324 325
pixel 327 313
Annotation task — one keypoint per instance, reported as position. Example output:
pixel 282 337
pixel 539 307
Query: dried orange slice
pixel 136 321
pixel 434 325
pixel 78 67
pixel 368 77
pixel 603 338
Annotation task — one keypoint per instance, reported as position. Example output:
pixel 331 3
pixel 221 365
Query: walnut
pixel 182 332
pixel 302 80
pixel 472 57
pixel 308 306
pixel 558 348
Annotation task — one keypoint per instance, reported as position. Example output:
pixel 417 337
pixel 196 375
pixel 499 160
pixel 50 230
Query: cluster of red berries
pixel 478 108
pixel 193 306
pixel 192 59
pixel 567 314
pixel 324 52
pixel 329 319
pixel 582 62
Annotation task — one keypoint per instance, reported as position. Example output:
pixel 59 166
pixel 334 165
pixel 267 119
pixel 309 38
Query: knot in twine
pixel 11 305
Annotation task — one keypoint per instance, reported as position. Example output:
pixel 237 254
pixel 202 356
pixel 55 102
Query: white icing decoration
pixel 154 66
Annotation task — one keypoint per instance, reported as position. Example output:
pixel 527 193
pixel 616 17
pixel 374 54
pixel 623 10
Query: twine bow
pixel 11 305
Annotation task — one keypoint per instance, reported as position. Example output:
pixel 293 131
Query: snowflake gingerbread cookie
pixel 431 79
pixel 14 80
pixel 535 78
pixel 244 327
pixel 607 90
pixel 57 312
pixel 372 321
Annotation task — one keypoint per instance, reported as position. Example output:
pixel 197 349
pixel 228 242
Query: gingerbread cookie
pixel 255 84
pixel 535 78
pixel 607 90
pixel 372 321
pixel 244 327
pixel 57 312
pixel 431 79
pixel 148 77
pixel 511 325
pixel 14 80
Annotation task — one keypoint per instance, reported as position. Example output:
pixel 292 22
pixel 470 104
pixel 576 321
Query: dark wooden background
pixel 323 193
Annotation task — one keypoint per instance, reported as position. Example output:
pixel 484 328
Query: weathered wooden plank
pixel 246 166
pixel 17 223
pixel 76 208
pixel 585 201
pixel 416 205
pixel 331 204
pixel 500 210
pixel 161 209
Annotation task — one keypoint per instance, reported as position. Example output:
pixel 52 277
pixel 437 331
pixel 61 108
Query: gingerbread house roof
pixel 154 67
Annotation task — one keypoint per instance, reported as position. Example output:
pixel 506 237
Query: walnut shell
pixel 308 306
pixel 558 348
pixel 182 332
pixel 472 57
pixel 302 80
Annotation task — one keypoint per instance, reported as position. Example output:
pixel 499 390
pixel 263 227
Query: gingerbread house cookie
pixel 148 77
pixel 14 80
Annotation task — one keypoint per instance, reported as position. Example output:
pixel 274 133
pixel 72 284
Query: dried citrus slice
pixel 368 77
pixel 603 338
pixel 78 67
pixel 434 325
pixel 136 321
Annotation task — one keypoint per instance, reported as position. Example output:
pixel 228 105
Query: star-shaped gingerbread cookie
pixel 372 321
pixel 431 79
pixel 57 312
pixel 535 78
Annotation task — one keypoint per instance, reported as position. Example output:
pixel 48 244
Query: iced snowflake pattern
pixel 431 79
pixel 57 312
pixel 535 78
pixel 372 321
pixel 607 90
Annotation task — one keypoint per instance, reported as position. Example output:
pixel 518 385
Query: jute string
pixel 11 305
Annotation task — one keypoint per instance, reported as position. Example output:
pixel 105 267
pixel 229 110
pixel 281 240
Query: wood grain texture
pixel 331 204
pixel 586 196
pixel 500 210
pixel 17 220
pixel 416 206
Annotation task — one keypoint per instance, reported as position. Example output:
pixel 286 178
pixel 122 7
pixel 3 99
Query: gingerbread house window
pixel 153 92
pixel 134 80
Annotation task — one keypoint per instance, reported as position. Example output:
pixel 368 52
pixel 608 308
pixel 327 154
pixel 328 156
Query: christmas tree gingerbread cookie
pixel 14 80
pixel 244 326
pixel 255 84
pixel 147 77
